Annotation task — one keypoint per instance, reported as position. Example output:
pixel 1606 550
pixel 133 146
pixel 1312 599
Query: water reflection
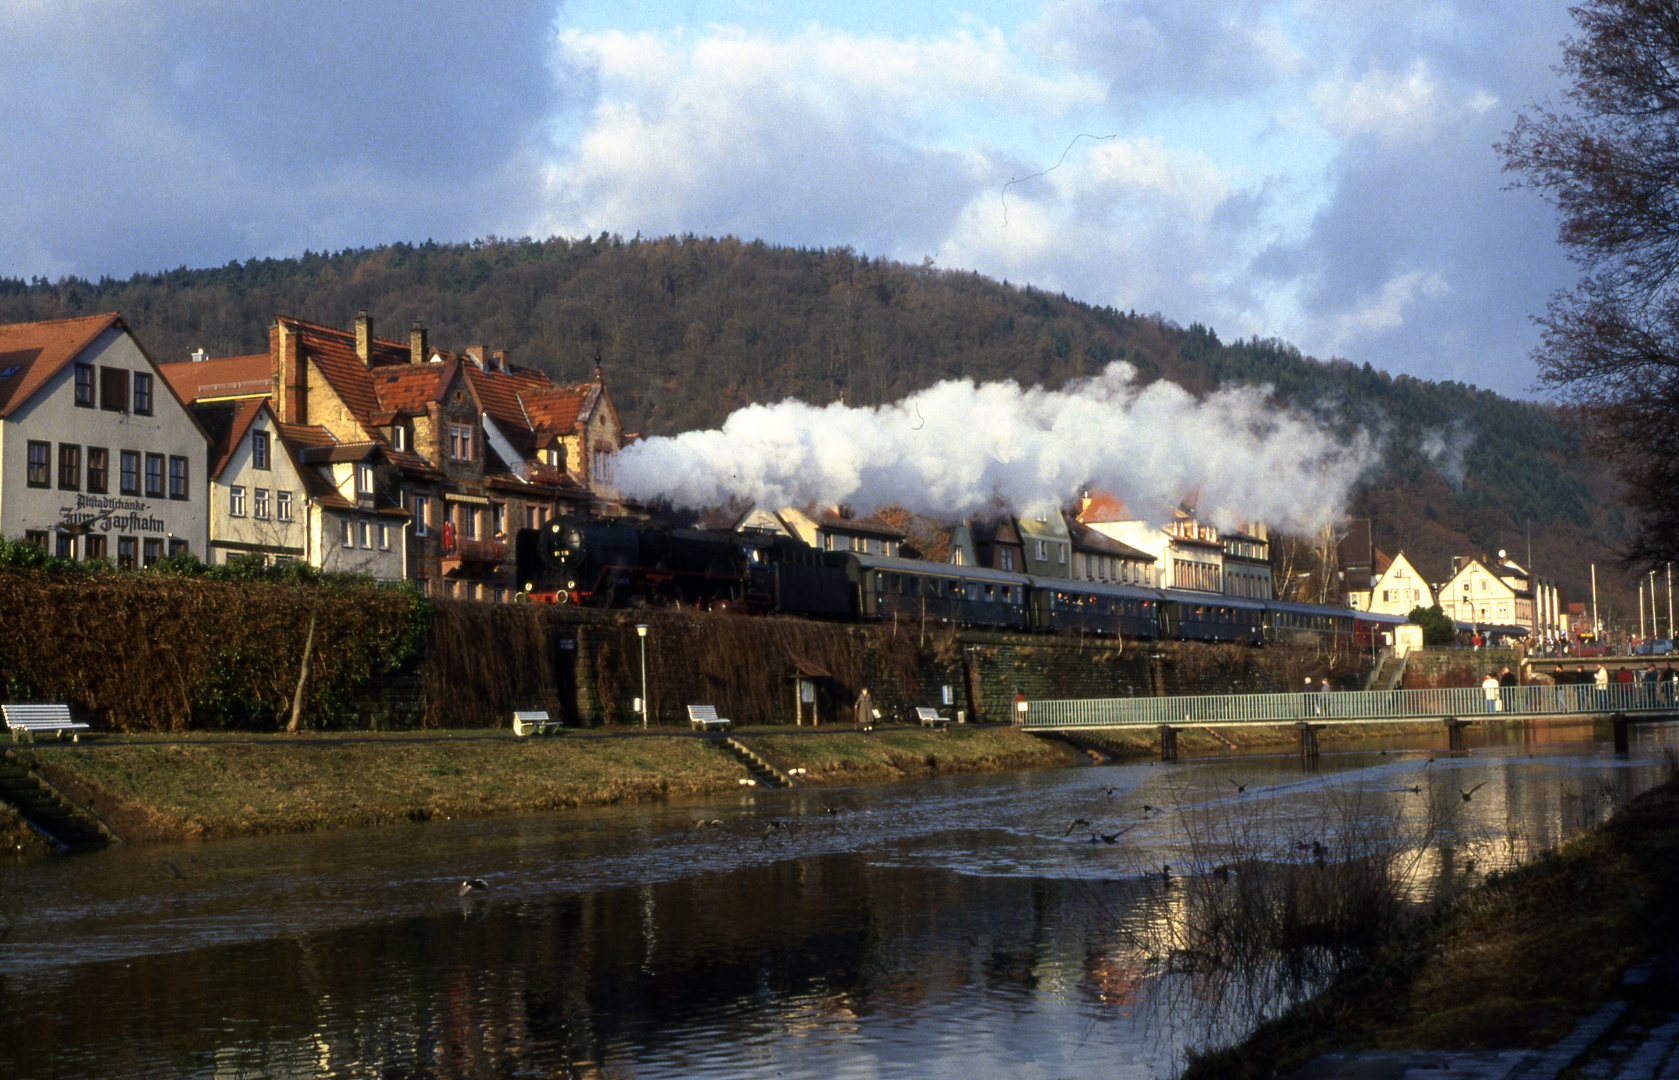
pixel 945 929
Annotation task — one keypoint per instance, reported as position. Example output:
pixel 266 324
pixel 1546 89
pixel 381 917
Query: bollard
pixel 1623 733
pixel 1308 745
pixel 1168 743
pixel 1454 734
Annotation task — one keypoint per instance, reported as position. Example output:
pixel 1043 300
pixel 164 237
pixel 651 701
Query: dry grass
pixel 1514 963
pixel 17 839
pixel 151 789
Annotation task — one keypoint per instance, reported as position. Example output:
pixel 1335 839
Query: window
pixel 366 534
pixel 154 476
pixel 95 546
pixel 1005 558
pixel 153 552
pixel 259 449
pixel 1061 554
pixel 422 514
pixel 498 519
pixel 177 477
pixel 1040 550
pixel 142 394
pixel 37 537
pixel 84 386
pixel 349 532
pixel 399 435
pixel 469 522
pixel 129 478
pixel 384 537
pixel 113 389
pixel 259 503
pixel 460 442
pixel 364 480
pixel 98 469
pixel 126 551
pixel 236 500
pixel 66 546
pixel 603 466
pixel 282 505
pixel 69 467
pixel 178 547
pixel 40 453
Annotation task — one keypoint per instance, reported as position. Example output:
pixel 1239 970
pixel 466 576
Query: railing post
pixel 1168 743
pixel 1308 744
pixel 1454 734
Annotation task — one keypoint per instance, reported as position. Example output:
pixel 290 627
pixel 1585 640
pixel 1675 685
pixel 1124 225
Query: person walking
pixel 865 710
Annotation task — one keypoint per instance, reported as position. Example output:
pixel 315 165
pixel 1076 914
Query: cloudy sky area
pixel 1320 172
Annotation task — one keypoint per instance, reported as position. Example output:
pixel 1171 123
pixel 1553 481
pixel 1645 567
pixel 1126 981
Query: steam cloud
pixel 958 448
pixel 1448 451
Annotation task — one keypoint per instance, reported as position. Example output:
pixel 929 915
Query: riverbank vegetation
pixel 148 789
pixel 1515 962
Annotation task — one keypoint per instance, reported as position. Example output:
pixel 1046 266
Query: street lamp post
pixel 641 632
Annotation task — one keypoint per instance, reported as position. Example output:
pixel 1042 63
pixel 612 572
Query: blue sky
pixel 1319 171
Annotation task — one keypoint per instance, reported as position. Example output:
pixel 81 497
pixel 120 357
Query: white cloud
pixel 1407 106
pixel 1384 311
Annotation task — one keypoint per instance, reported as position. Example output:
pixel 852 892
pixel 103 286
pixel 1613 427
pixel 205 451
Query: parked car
pixel 1654 647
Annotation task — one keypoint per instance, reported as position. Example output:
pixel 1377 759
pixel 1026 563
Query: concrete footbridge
pixel 1624 704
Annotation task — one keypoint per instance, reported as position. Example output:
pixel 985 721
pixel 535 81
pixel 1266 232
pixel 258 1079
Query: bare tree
pixel 1609 160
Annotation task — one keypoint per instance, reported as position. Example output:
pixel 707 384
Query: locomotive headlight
pixel 571 584
pixel 530 586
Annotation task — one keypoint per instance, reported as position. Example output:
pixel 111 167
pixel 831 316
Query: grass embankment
pixel 1514 963
pixel 213 787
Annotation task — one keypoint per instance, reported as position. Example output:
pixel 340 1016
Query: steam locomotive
pixel 618 563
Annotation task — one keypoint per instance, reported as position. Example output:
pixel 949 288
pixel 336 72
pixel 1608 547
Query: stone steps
pixel 47 809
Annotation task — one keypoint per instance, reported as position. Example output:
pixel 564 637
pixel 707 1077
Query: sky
pixel 1319 171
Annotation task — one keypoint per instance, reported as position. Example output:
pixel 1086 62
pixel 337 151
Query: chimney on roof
pixel 500 358
pixel 417 343
pixel 364 338
pixel 475 353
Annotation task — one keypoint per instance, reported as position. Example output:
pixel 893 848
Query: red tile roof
pixel 223 377
pixel 32 353
pixel 227 438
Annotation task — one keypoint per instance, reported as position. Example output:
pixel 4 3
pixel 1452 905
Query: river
pixel 958 927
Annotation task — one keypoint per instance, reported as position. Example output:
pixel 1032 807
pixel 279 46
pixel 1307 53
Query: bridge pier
pixel 1454 734
pixel 1623 733
pixel 1168 743
pixel 1308 744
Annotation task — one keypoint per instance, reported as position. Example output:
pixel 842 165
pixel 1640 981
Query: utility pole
pixel 1670 600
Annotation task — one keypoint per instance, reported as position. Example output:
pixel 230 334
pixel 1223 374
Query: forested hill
pixel 688 329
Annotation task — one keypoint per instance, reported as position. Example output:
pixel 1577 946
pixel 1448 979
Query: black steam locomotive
pixel 618 563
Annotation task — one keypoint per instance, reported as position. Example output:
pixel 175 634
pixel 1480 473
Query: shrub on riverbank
pixel 1514 963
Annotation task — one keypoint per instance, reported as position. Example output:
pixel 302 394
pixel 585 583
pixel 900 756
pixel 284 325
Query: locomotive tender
pixel 620 563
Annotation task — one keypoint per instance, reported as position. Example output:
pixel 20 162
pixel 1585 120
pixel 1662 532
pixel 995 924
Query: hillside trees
pixel 1610 161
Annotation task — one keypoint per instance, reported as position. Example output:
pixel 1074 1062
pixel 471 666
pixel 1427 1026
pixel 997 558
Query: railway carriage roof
pixel 1100 588
pixel 1213 599
pixel 924 568
pixel 1309 609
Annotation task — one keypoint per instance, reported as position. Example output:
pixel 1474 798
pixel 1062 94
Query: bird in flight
pixel 1078 823
pixel 1467 795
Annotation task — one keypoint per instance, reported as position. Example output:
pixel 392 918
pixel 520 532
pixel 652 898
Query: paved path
pixel 1633 1037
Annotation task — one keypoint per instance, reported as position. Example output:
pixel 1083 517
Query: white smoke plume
pixel 958 448
pixel 1448 451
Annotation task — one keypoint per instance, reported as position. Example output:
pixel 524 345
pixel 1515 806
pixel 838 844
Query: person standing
pixel 865 710
pixel 1489 687
pixel 1507 690
pixel 1600 679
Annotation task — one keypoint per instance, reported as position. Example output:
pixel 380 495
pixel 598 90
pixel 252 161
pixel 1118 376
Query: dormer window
pixel 460 442
pixel 399 435
pixel 364 480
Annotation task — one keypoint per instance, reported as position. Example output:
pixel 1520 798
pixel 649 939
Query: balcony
pixel 473 558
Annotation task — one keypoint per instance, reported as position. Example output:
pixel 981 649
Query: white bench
pixel 931 718
pixel 705 718
pixel 33 720
pixel 534 723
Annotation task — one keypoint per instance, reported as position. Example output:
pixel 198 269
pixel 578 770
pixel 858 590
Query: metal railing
pixel 1464 702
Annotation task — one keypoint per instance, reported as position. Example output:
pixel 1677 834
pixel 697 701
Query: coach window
pixel 84 386
pixel 40 453
pixel 113 389
pixel 69 467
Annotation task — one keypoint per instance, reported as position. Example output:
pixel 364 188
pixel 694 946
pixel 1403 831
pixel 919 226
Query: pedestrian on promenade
pixel 1489 686
pixel 865 711
pixel 1601 680
pixel 1307 704
pixel 1507 690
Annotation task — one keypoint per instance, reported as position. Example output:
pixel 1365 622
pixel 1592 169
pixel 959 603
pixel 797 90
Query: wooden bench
pixel 33 720
pixel 931 718
pixel 534 722
pixel 705 718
